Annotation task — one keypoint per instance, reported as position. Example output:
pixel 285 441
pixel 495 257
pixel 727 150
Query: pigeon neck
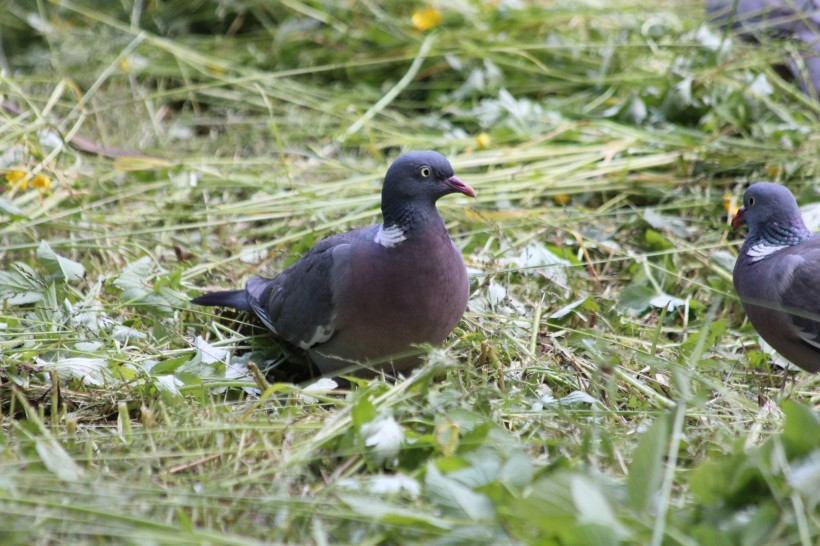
pixel 791 233
pixel 403 219
pixel 764 241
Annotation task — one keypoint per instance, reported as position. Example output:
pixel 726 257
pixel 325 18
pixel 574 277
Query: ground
pixel 604 386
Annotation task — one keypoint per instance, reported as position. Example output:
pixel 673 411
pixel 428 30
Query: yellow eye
pixel 425 171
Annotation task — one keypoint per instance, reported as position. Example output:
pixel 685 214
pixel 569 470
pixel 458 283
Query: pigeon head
pixel 771 212
pixel 765 204
pixel 424 176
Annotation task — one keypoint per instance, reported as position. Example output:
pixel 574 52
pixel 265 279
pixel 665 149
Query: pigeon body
pixel 799 19
pixel 365 297
pixel 777 274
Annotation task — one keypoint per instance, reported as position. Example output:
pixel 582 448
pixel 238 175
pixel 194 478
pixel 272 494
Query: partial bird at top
pixel 799 19
pixel 362 300
pixel 777 274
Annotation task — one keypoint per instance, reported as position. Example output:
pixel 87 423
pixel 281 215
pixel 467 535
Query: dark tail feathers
pixel 238 299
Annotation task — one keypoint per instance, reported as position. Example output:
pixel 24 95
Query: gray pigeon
pixel 777 274
pixel 365 297
pixel 798 19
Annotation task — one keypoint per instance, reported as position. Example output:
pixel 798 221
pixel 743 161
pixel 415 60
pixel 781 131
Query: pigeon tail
pixel 237 299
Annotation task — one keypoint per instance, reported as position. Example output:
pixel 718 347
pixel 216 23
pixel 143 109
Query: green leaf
pixel 589 533
pixel 54 457
pixel 593 507
pixel 456 497
pixel 636 298
pixel 22 286
pixel 11 209
pixel 56 460
pixel 481 469
pixel 517 471
pixel 563 507
pixel 91 371
pixel 363 410
pixel 739 480
pixel 801 433
pixel 133 281
pixel 538 259
pixel 656 240
pixel 57 266
pixel 169 365
pixel 710 481
pixel 381 511
pixel 663 222
pixel 567 309
pixel 716 330
pixel 646 470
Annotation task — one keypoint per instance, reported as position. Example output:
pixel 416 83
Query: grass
pixel 603 387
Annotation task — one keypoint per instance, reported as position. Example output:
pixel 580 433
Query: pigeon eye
pixel 751 201
pixel 425 171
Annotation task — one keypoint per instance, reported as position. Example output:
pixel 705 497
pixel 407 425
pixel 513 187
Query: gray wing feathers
pixel 801 298
pixel 256 289
pixel 298 305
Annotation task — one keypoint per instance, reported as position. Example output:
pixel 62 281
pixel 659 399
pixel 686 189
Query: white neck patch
pixel 390 236
pixel 762 250
pixel 320 335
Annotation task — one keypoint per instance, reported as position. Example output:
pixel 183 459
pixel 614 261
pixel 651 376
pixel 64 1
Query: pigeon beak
pixel 459 186
pixel 737 219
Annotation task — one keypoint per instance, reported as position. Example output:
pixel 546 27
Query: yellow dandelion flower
pixel 426 18
pixel 562 199
pixel 729 204
pixel 482 141
pixel 41 182
pixel 489 5
pixel 216 69
pixel 125 65
pixel 17 179
pixel 775 171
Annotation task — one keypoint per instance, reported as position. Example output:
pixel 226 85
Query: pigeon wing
pixel 801 297
pixel 299 304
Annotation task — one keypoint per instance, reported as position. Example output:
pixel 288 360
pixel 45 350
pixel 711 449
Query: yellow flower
pixel 482 141
pixel 16 179
pixel 489 5
pixel 562 199
pixel 216 69
pixel 729 204
pixel 41 182
pixel 426 18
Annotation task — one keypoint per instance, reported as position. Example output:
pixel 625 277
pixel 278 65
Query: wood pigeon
pixel 799 19
pixel 777 274
pixel 359 301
